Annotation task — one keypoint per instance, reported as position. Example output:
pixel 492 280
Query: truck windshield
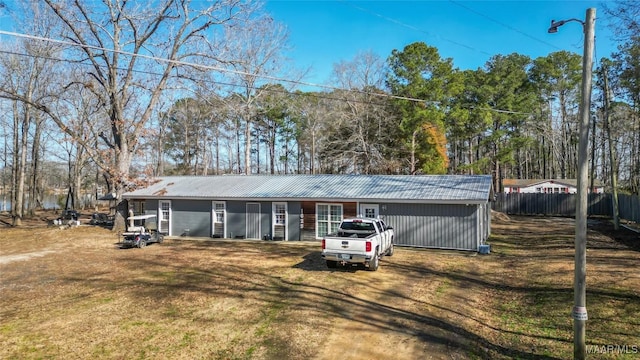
pixel 357 226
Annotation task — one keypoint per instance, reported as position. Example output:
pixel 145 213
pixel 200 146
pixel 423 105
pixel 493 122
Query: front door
pixel 369 210
pixel 253 221
pixel 164 217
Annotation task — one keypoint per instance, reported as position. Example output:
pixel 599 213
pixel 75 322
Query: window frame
pixel 329 220
pixel 214 217
pixel 274 221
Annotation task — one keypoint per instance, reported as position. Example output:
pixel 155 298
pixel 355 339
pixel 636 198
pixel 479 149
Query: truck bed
pixel 358 241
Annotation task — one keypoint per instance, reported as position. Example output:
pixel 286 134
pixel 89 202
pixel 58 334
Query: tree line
pixel 131 92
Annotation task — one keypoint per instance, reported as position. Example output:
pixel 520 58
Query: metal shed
pixel 433 211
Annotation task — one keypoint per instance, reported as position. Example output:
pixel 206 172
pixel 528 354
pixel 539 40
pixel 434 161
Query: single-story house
pixel 547 186
pixel 434 211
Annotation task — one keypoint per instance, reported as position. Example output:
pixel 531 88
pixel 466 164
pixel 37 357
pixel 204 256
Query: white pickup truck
pixel 358 241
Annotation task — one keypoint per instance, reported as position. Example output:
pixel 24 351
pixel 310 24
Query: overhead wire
pixel 203 67
pixel 225 70
pixel 507 26
pixel 216 82
pixel 411 27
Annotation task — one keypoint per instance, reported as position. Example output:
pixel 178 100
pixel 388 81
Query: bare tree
pixel 26 74
pixel 129 51
pixel 259 47
pixel 361 124
pixel 624 19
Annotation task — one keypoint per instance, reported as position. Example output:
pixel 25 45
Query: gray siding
pixel 265 218
pixel 434 226
pixel 236 219
pixel 191 218
pixel 461 227
pixel 294 209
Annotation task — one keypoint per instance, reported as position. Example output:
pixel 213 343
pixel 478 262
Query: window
pixel 138 207
pixel 279 230
pixel 280 213
pixel 218 216
pixel 383 225
pixel 164 216
pixel 219 210
pixel 362 226
pixel 328 218
pixel 538 189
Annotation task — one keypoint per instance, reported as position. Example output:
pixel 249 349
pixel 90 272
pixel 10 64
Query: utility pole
pixel 579 312
pixel 580 276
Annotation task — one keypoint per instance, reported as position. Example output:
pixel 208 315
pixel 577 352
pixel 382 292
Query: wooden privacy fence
pixel 565 205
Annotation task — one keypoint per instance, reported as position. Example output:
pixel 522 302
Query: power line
pixel 503 24
pixel 411 27
pixel 204 67
pixel 216 82
pixel 223 70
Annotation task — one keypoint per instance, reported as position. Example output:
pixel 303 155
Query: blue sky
pixel 469 32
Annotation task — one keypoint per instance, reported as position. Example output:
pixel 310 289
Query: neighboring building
pixel 548 186
pixel 447 211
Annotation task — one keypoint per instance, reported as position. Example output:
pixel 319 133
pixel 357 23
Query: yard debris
pixel 499 216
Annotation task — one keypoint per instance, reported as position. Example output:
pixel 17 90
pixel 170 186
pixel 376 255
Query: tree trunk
pixel 34 183
pixel 15 169
pixel 120 181
pixel 238 164
pixel 612 154
pixel 272 150
pixel 217 148
pixel 247 144
pixel 313 152
pixel 592 176
pixel 22 167
pixel 413 152
pixel 286 157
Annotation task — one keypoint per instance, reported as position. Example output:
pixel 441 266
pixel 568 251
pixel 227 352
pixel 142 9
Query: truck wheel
pixel 332 264
pixel 142 243
pixel 390 250
pixel 160 238
pixel 375 262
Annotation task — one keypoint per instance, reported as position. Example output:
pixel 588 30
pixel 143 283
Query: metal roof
pixel 402 188
pixel 531 182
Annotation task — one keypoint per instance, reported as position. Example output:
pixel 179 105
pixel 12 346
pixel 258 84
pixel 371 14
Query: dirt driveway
pixel 74 294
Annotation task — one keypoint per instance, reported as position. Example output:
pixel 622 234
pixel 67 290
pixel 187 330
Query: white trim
pixel 479 225
pixel 329 216
pixel 286 219
pixel 364 206
pixel 214 217
pixel 160 217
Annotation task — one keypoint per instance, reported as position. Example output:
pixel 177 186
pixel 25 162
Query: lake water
pixel 49 202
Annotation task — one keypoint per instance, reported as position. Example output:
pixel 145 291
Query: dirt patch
pixel 5 259
pixel 87 298
pixel 499 216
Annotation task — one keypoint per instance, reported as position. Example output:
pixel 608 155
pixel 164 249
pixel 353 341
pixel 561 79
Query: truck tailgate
pixel 345 245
